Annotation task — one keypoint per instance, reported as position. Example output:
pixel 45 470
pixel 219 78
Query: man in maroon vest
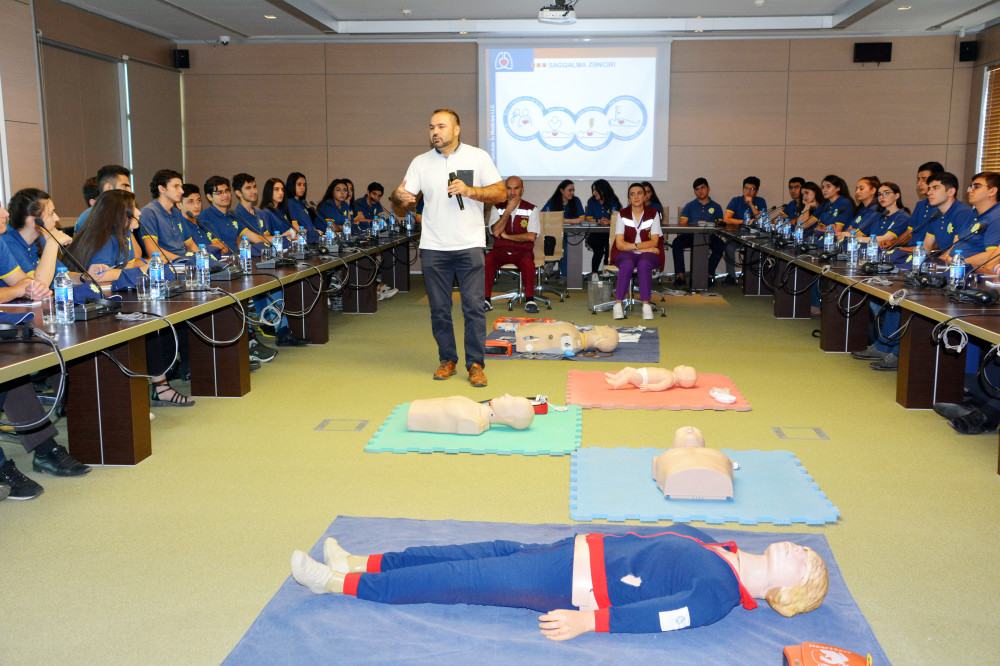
pixel 515 226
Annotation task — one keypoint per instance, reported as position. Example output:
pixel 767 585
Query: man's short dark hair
pixel 933 167
pixel 162 177
pixel 946 178
pixel 752 180
pixel 189 189
pixel 90 190
pixel 449 112
pixel 108 173
pixel 992 178
pixel 214 182
pixel 698 182
pixel 241 179
pixel 797 179
pixel 376 187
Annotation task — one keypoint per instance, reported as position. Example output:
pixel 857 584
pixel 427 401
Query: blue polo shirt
pixel 991 219
pixel 111 255
pixel 895 224
pixel 201 236
pixel 330 213
pixel 83 218
pixel 981 228
pixel 791 209
pixel 166 227
pixel 865 220
pixel 599 211
pixel 277 221
pixel 921 212
pixel 252 221
pixel 945 229
pixel 368 212
pixel 738 206
pixel 834 212
pixel 298 214
pixel 25 255
pixel 695 212
pixel 8 264
pixel 580 210
pixel 225 226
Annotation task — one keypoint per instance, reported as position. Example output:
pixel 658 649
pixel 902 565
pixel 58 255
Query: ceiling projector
pixel 557 13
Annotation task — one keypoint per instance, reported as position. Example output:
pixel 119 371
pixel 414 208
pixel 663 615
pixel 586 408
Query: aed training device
pixel 540 403
pixel 817 654
pixel 511 323
pixel 498 348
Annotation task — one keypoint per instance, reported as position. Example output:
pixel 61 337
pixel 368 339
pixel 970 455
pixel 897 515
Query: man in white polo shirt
pixel 456 180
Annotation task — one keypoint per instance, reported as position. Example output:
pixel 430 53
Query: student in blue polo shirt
pixel 333 209
pixel 369 206
pixel 837 207
pixel 866 212
pixel 793 208
pixel 272 204
pixel 979 237
pixel 217 218
pixel 109 177
pixel 894 219
pixel 601 205
pixel 650 198
pixel 922 211
pixel 733 216
pixel 700 211
pixel 162 223
pixel 190 208
pixel 301 211
pixel 250 217
pixel 105 245
pixel 564 200
pixel 943 232
pixel 33 218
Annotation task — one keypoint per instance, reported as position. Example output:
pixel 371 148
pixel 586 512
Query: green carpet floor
pixel 170 561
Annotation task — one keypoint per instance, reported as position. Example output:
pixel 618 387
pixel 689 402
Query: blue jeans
pixel 489 573
pixel 887 327
pixel 261 301
pixel 441 269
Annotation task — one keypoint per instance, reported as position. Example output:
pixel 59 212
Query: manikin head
pixel 689 436
pixel 685 376
pixel 601 338
pixel 513 411
pixel 808 576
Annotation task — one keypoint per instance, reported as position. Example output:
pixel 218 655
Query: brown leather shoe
pixel 476 376
pixel 445 370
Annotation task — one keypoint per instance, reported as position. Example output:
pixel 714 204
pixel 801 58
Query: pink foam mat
pixel 589 390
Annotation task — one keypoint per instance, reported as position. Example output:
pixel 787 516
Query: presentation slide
pixel 576 112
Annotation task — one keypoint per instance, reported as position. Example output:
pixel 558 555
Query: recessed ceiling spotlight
pixel 758 3
pixel 463 32
pixel 270 17
pixel 406 12
pixel 699 31
pixel 904 8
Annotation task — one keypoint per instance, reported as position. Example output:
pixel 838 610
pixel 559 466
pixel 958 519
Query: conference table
pixel 107 411
pixel 929 371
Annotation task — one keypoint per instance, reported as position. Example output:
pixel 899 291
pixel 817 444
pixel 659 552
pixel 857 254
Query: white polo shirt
pixel 444 226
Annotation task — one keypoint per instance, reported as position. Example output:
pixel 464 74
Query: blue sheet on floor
pixel 769 487
pixel 645 350
pixel 298 627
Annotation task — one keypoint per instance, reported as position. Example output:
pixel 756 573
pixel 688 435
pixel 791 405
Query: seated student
pixel 894 219
pixel 350 197
pixel 275 213
pixel 922 211
pixel 515 226
pixel 636 248
pixel 837 209
pixel 250 217
pixel 333 209
pixel 300 211
pixel 701 209
pixel 793 208
pixel 980 248
pixel 626 583
pixel 650 199
pixel 564 199
pixel 866 213
pixel 162 222
pixel 90 192
pixel 19 401
pixel 104 246
pixel 601 205
pixel 369 206
pixel 812 198
pixel 109 177
pixel 735 215
pixel 190 208
pixel 33 216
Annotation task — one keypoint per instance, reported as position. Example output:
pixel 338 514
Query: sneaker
pixel 890 362
pixel 974 423
pixel 291 340
pixel 488 304
pixel 309 573
pixel 729 281
pixel 445 370
pixel 21 487
pixel 387 293
pixel 647 311
pixel 679 281
pixel 531 307
pixel 58 462
pixel 476 376
pixel 952 410
pixel 869 353
pixel 617 312
pixel 255 366
pixel 261 353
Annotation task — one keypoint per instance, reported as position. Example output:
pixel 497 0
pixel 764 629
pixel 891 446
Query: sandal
pixel 157 389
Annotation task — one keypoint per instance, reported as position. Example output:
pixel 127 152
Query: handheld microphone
pixel 451 178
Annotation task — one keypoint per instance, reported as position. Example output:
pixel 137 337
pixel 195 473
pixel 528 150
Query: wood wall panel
pixel 705 111
pixel 24 150
pixel 257 59
pixel 961 97
pixel 907 53
pixel 364 164
pixel 17 63
pixel 717 55
pixel 432 58
pixel 155 105
pixel 262 161
pixel 989 46
pixel 725 167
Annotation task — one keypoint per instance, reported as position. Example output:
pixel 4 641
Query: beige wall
pixel 989 54
pixel 22 113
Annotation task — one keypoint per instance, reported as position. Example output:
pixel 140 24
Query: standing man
pixel 701 211
pixel 456 180
pixel 515 226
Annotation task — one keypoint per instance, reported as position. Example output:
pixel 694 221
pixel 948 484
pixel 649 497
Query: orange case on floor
pixel 817 654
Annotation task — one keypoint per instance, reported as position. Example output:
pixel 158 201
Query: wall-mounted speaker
pixel 873 52
pixel 182 59
pixel 968 51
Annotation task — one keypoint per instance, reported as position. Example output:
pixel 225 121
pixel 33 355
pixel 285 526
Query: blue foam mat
pixel 646 350
pixel 298 627
pixel 769 487
pixel 552 434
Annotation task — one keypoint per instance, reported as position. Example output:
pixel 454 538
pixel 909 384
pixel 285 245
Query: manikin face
pixel 173 192
pixel 794 190
pixel 937 194
pixel 191 205
pixel 515 188
pixel 922 177
pixel 568 192
pixel 786 563
pixel 637 196
pixel 340 193
pixel 444 131
pixel 689 436
pixel 701 192
pixel 887 197
pixel 222 196
pixel 830 191
pixel 981 194
pixel 300 188
pixel 278 193
pixel 864 192
pixel 248 193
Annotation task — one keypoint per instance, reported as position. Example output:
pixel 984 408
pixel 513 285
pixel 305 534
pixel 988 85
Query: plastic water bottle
pixel 830 239
pixel 871 252
pixel 799 233
pixel 157 278
pixel 766 216
pixel 65 314
pixel 409 222
pixel 201 267
pixel 956 272
pixel 747 219
pixel 347 229
pixel 329 238
pixel 279 244
pixel 919 255
pixel 246 257
pixel 852 249
pixel 300 244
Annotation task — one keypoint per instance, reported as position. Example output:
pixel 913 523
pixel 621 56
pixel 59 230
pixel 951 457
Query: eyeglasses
pixel 976 186
pixel 886 193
